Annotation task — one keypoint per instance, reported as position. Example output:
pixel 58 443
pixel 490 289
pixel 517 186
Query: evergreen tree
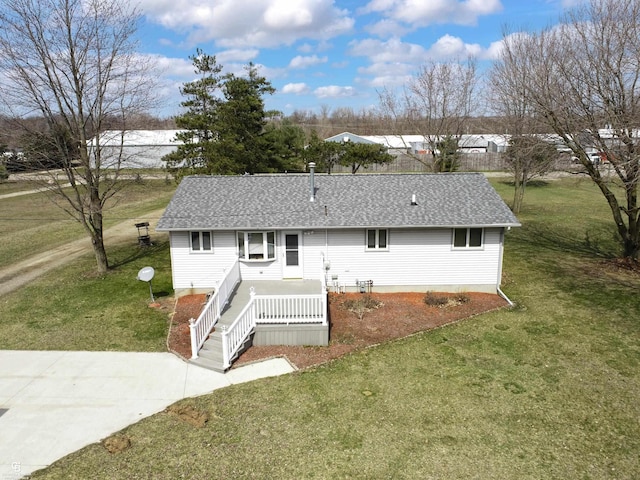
pixel 241 145
pixel 358 155
pixel 325 155
pixel 286 143
pixel 223 123
pixel 196 153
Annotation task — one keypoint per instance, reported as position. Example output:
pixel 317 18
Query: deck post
pixel 194 340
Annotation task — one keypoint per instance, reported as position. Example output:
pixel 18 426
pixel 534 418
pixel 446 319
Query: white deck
pixel 240 297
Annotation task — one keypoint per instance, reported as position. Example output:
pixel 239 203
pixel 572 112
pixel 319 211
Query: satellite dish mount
pixel 145 275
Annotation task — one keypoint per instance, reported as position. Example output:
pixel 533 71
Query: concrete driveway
pixel 54 403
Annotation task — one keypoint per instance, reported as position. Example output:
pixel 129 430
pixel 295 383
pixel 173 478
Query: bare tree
pixel 583 82
pixel 436 105
pixel 530 153
pixel 74 63
pixel 528 157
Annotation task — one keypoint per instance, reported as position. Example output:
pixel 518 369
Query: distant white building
pixel 418 144
pixel 136 148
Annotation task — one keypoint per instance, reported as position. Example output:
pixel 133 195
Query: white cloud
pixel 296 88
pixel 250 23
pixel 385 74
pixel 495 49
pixel 392 50
pixel 334 91
pixel 305 62
pixel 393 62
pixel 451 47
pixel 305 48
pixel 237 55
pixel 386 28
pixel 174 67
pixel 420 13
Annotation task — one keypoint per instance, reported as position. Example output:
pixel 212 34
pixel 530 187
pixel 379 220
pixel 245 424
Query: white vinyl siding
pixel 200 271
pixel 414 257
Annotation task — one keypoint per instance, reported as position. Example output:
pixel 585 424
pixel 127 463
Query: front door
pixel 292 265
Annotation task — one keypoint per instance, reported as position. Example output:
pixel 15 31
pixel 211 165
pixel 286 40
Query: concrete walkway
pixel 54 403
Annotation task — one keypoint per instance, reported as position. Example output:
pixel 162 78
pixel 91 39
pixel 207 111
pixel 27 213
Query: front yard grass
pixel 72 308
pixel 548 389
pixel 31 224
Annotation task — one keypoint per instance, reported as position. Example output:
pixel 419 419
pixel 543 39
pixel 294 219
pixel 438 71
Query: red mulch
pixel 400 315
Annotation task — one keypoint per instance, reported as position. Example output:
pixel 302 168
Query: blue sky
pixel 331 53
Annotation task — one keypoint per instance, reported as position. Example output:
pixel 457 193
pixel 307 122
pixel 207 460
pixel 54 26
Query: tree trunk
pixel 101 254
pixel 518 192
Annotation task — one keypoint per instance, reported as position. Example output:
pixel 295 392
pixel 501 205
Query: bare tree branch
pixel 74 63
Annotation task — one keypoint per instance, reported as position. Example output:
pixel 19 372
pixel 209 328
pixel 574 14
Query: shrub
pixel 361 305
pixel 438 300
pixel 462 298
pixel 435 300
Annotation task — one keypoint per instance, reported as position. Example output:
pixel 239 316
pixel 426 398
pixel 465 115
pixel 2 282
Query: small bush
pixel 438 300
pixel 435 300
pixel 4 175
pixel 461 298
pixel 361 305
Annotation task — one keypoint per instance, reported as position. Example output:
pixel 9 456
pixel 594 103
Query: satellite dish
pixel 146 274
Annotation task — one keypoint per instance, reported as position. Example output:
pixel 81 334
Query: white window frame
pixel 201 234
pixel 466 245
pixel 244 250
pixel 376 247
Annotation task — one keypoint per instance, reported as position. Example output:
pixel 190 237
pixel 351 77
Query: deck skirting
pixel 309 334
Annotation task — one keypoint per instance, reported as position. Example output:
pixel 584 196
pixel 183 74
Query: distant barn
pixel 136 148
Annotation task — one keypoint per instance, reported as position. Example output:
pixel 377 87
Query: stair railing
pixel 235 334
pixel 201 327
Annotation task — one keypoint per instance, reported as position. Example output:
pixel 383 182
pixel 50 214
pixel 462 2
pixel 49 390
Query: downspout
pixel 500 292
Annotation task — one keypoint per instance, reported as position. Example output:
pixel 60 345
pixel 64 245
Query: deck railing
pixel 286 309
pixel 202 326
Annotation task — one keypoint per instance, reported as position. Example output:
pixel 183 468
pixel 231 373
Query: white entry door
pixel 292 264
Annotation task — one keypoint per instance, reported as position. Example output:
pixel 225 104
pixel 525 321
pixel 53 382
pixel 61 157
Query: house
pixel 282 234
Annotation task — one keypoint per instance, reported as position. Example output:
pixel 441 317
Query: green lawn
pixel 31 224
pixel 548 389
pixel 72 308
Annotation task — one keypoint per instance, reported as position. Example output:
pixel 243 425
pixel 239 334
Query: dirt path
pixel 19 274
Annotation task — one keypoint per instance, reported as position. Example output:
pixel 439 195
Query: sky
pixel 329 54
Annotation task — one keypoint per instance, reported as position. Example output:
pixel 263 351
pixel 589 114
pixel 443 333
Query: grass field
pixel 31 224
pixel 72 308
pixel 548 389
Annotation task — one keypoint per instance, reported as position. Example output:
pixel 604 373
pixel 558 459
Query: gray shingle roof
pixel 366 200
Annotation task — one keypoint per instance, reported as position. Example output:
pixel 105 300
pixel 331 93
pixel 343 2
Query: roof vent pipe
pixel 312 182
pixel 413 199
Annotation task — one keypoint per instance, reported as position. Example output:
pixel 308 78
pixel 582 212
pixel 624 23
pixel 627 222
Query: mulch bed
pixel 398 315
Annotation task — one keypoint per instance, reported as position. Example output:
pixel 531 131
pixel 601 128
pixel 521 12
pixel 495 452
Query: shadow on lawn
pixel 536 237
pixel 137 253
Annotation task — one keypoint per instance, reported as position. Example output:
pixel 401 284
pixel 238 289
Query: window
pixel 467 237
pixel 377 239
pixel 257 245
pixel 201 242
